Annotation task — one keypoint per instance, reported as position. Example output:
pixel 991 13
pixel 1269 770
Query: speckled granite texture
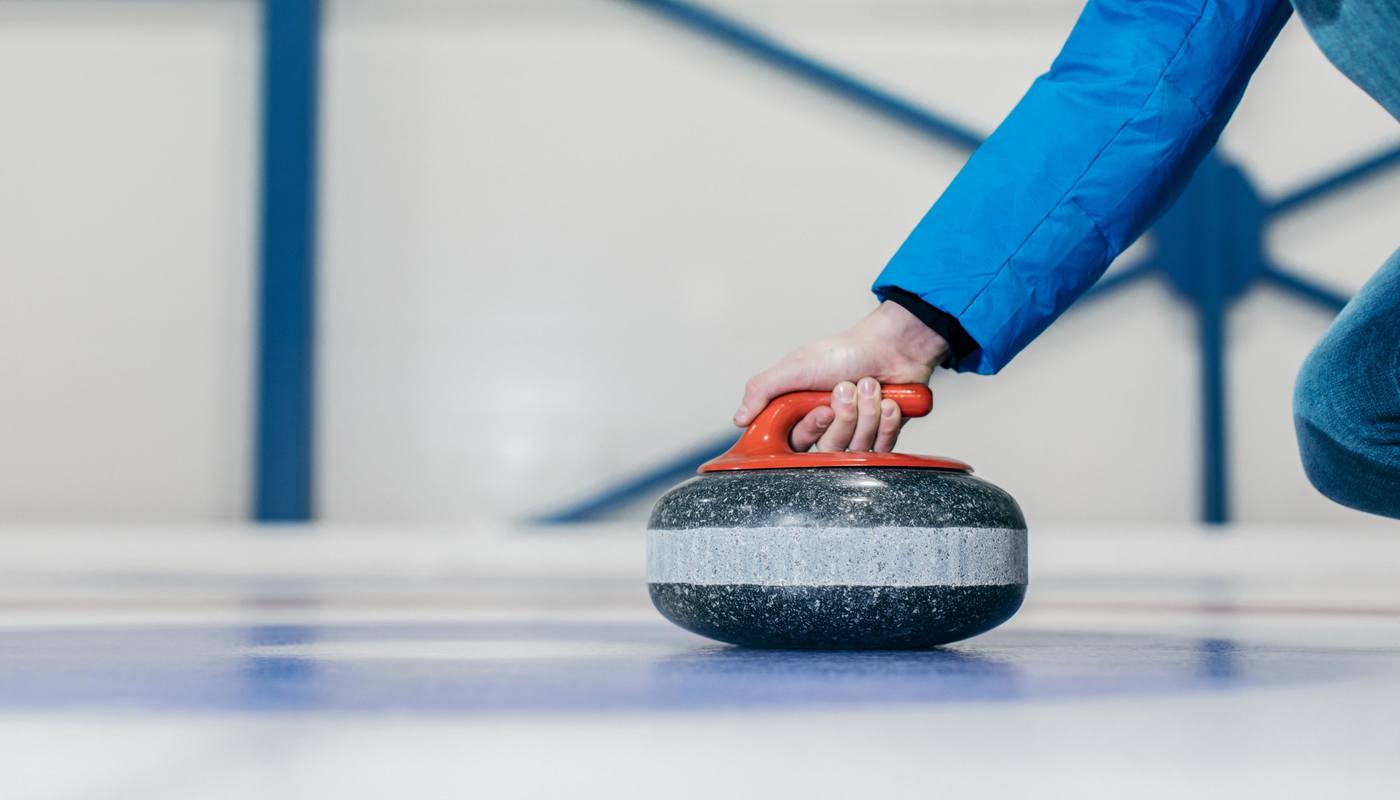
pixel 836 498
pixel 837 617
pixel 837 558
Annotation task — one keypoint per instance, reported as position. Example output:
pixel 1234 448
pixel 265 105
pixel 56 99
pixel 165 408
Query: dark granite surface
pixel 836 497
pixel 837 617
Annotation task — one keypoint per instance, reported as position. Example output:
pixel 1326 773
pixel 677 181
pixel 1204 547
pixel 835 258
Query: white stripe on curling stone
pixel 799 556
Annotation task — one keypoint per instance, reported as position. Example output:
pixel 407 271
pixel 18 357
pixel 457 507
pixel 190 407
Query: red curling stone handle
pixel 771 430
pixel 765 443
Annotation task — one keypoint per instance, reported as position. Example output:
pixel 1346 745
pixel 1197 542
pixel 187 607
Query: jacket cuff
pixel 960 344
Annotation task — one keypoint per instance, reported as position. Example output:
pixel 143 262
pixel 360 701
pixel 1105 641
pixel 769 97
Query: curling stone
pixel 772 548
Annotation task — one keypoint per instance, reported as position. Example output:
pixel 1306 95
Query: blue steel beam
pixel 1305 288
pixel 648 483
pixel 1212 297
pixel 1215 473
pixel 1205 242
pixel 1124 277
pixel 775 54
pixel 1341 179
pixel 283 458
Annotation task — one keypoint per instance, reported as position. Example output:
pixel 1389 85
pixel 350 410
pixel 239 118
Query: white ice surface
pixel 1294 634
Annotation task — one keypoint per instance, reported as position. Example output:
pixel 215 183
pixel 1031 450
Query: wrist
pixel 909 336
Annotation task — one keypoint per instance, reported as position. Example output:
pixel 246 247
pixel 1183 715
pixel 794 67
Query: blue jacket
pixel 1099 146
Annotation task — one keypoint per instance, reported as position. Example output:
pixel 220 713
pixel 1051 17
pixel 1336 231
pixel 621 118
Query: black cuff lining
pixel 960 344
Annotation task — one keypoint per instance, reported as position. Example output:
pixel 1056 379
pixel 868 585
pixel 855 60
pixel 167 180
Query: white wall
pixel 126 186
pixel 558 234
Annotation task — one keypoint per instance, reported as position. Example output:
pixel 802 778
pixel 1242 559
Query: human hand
pixel 890 345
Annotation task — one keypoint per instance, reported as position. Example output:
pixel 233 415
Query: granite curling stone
pixel 776 549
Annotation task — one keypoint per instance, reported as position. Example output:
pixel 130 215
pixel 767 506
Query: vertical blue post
pixel 283 476
pixel 1215 492
pixel 1208 245
pixel 1215 222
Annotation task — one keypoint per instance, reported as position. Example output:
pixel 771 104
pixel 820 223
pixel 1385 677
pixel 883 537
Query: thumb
pixel 781 378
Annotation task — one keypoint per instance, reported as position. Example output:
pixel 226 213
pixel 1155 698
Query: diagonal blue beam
pixel 1341 179
pixel 1118 280
pixel 1305 288
pixel 649 482
pixel 282 479
pixel 764 48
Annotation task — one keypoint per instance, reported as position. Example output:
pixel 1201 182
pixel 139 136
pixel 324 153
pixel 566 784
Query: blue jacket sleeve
pixel 1093 153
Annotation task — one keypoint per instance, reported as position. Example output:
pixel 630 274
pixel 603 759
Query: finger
pixel 785 376
pixel 843 423
pixel 810 429
pixel 867 415
pixel 891 420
